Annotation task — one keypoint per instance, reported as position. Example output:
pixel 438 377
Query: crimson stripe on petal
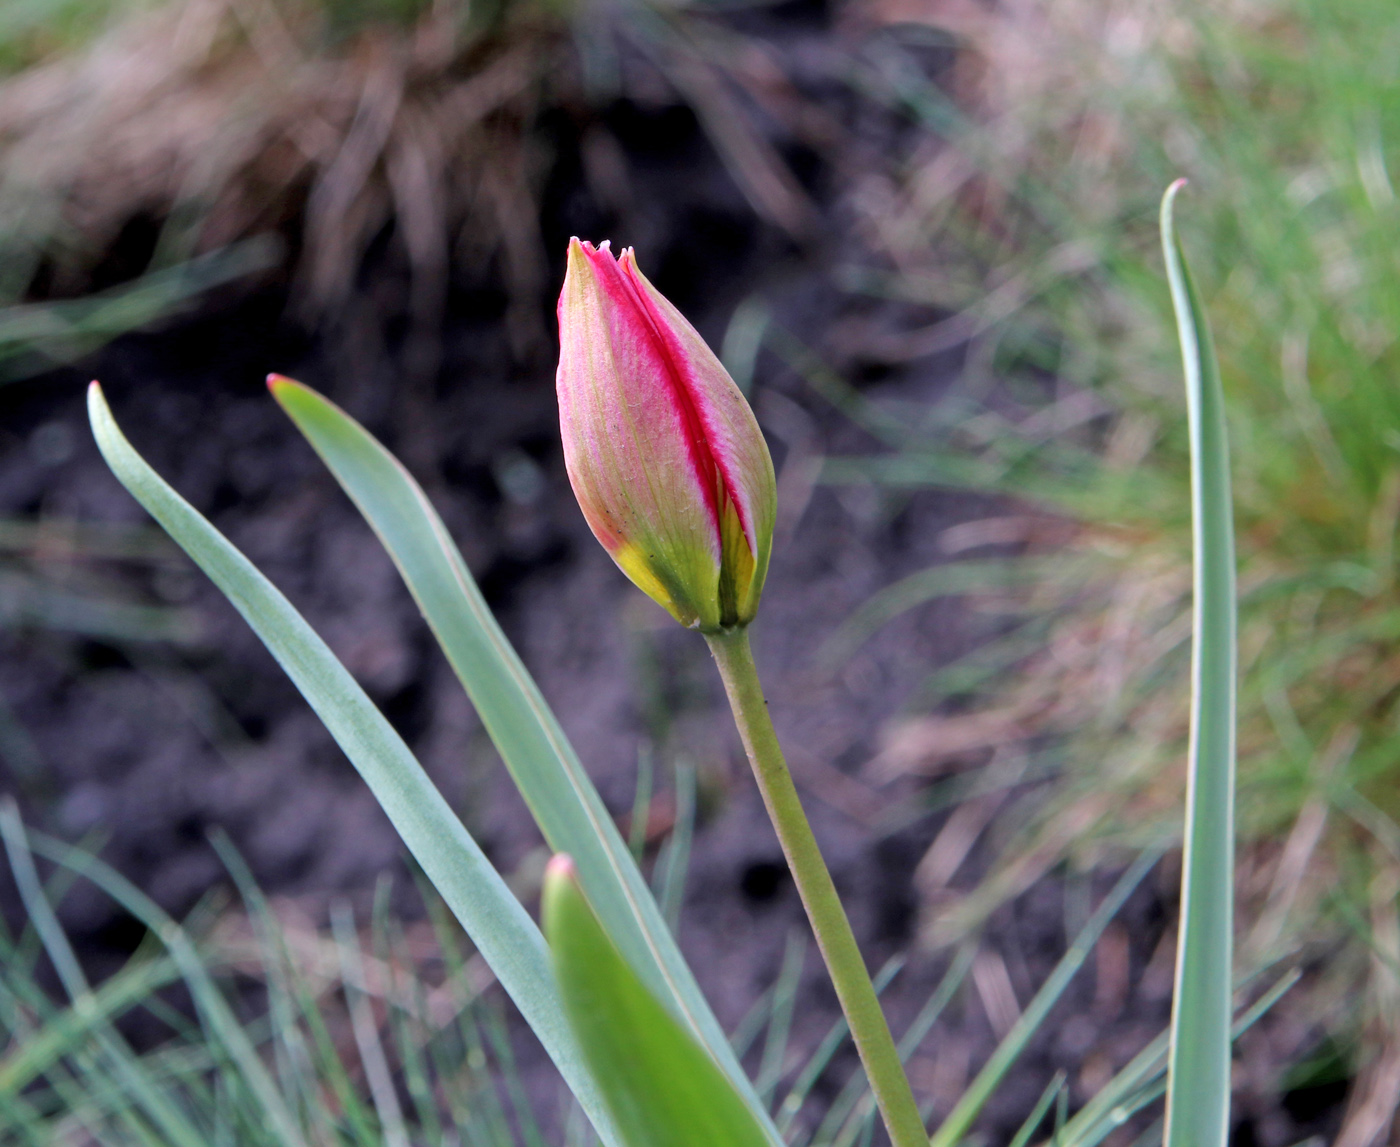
pixel 674 354
pixel 630 298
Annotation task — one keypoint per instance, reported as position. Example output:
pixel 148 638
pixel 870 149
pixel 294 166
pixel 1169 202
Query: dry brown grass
pixel 227 118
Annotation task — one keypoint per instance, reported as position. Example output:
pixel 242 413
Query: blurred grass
pixel 380 1030
pixel 371 1031
pixel 1026 235
pixel 60 573
pixel 318 121
pixel 321 1016
pixel 35 30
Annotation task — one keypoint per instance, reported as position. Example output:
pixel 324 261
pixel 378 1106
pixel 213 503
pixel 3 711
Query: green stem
pixel 833 931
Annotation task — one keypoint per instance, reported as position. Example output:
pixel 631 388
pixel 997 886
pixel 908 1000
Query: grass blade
pixel 32 1056
pixel 452 860
pixel 641 805
pixel 373 1062
pixel 970 1104
pixel 120 1060
pixel 775 1043
pixel 1141 1081
pixel 854 1105
pixel 673 864
pixel 541 761
pixel 829 1046
pixel 1198 1075
pixel 510 1075
pixel 1039 1111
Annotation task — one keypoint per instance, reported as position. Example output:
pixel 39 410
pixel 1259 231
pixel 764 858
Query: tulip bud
pixel 663 451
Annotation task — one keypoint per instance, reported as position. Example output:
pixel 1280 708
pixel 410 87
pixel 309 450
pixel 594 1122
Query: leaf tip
pixel 561 867
pixel 560 890
pixel 1169 198
pixel 96 404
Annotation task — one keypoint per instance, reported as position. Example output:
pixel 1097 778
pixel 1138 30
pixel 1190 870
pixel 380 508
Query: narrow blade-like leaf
pixel 534 748
pixel 452 860
pixel 1198 1079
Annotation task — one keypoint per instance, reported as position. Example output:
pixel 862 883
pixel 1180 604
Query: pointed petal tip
pixel 582 254
pixel 601 253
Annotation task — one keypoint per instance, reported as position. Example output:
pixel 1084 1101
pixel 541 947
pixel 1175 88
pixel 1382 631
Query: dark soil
pixel 153 744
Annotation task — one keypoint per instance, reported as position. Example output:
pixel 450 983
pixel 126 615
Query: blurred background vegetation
pixel 1033 230
pixel 994 216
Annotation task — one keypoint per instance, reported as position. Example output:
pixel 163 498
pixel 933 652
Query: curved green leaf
pixel 1198 1078
pixel 452 860
pixel 541 761
pixel 662 1087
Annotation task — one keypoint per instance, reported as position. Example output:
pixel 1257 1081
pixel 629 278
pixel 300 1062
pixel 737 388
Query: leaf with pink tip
pixel 544 766
pixel 661 1087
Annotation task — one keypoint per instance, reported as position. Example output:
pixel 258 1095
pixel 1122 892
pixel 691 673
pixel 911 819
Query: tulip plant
pixel 673 476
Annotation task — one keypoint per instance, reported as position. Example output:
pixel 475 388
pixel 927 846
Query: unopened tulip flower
pixel 674 478
pixel 662 449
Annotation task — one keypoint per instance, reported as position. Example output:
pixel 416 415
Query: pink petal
pixel 633 442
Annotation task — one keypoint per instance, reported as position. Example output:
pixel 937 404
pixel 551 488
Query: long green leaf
pixel 534 748
pixel 1198 1077
pixel 663 1088
pixel 1141 1082
pixel 452 860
